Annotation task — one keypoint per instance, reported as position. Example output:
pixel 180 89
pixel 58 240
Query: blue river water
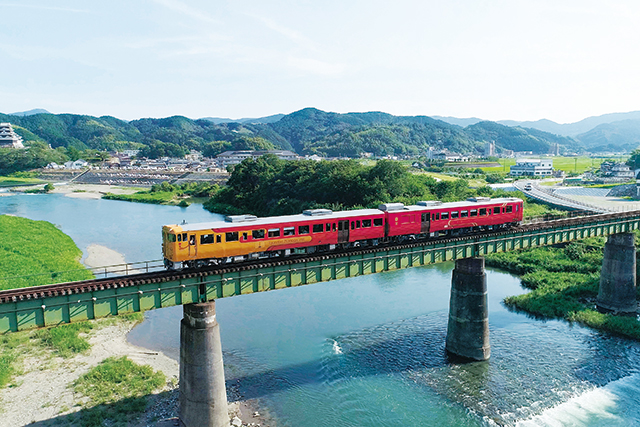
pixel 369 351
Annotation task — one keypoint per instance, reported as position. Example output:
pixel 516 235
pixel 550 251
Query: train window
pixel 357 223
pixel 184 237
pixel 231 237
pixel 496 210
pixel 433 217
pixel 334 227
pixel 289 231
pixel 274 232
pixel 509 209
pixel 454 215
pixel 473 212
pixel 244 236
pixel 366 223
pixel 424 217
pixel 377 222
pixel 353 225
pixel 516 208
pixel 340 226
pixel 179 237
pixel 438 216
pixel 328 227
pixel 257 234
pixel 172 238
pixel 464 214
pixel 483 211
pixel 218 238
pixel 445 215
pixel 303 229
pixel 318 228
pixel 206 239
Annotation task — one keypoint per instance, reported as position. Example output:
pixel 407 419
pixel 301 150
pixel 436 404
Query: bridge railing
pixel 102 271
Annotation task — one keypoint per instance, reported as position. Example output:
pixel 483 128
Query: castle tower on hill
pixel 8 138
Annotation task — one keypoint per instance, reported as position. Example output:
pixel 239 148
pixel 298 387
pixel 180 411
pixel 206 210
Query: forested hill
pixel 308 131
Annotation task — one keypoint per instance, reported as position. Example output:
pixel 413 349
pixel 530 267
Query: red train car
pixel 437 218
pixel 246 236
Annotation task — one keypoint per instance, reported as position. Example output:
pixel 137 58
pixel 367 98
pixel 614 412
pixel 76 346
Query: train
pixel 247 237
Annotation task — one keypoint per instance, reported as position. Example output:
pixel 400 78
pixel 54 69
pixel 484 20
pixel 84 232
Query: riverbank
pixel 42 390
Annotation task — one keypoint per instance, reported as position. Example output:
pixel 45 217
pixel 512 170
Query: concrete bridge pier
pixel 468 330
pixel 203 396
pixel 618 275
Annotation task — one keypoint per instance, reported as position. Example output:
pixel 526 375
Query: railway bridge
pixel 147 286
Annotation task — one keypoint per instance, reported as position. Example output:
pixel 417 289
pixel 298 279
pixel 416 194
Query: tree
pixel 634 160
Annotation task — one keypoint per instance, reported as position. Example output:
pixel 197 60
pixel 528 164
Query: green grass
pixel 37 249
pixel 116 390
pixel 65 340
pixel 145 196
pixel 567 164
pixel 609 185
pixel 8 181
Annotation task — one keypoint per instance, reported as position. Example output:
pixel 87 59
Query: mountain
pixel 268 119
pixel 573 129
pixel 459 122
pixel 623 135
pixel 518 138
pixel 30 112
pixel 308 131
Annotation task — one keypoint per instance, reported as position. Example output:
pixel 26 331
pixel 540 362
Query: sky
pixel 563 60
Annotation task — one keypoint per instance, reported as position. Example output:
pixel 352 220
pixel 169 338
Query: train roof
pixel 280 219
pixel 321 215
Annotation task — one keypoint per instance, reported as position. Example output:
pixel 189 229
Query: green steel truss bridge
pixel 140 288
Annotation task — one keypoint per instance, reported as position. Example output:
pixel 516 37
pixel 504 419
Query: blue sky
pixel 501 59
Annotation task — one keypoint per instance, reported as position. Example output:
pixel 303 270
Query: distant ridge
pixel 459 122
pixel 573 129
pixel 268 119
pixel 30 112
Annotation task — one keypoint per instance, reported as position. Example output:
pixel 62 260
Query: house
pixel 78 164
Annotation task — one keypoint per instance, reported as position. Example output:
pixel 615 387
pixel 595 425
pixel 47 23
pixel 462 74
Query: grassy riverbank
pixel 111 388
pixel 38 253
pixel 564 284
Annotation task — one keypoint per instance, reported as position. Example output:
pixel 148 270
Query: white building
pixel 235 157
pixel 490 149
pixel 78 164
pixel 532 167
pixel 8 138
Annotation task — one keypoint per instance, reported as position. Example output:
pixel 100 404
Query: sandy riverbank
pixel 43 393
pixel 90 191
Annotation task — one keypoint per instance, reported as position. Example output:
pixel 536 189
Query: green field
pixel 37 249
pixel 567 164
pixel 7 181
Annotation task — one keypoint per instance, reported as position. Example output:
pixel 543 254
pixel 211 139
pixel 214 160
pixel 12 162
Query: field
pixel 567 164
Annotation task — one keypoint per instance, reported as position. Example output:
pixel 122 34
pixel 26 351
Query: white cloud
pixel 187 10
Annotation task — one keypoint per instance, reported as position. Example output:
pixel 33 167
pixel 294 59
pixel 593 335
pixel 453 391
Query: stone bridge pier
pixel 617 292
pixel 468 329
pixel 203 396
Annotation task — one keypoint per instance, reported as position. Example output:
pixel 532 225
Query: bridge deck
pixel 68 302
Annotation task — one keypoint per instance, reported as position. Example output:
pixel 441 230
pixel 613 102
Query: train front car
pixel 242 237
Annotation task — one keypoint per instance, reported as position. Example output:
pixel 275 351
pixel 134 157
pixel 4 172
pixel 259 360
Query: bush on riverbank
pixel 169 194
pixel 564 284
pixel 116 390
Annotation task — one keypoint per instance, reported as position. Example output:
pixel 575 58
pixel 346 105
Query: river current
pixel 369 351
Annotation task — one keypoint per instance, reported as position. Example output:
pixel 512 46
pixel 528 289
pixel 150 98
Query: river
pixel 369 351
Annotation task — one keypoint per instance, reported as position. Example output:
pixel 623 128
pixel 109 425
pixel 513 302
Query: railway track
pixel 79 287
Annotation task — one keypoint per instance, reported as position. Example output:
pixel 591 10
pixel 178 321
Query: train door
pixel 193 249
pixel 424 222
pixel 343 231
